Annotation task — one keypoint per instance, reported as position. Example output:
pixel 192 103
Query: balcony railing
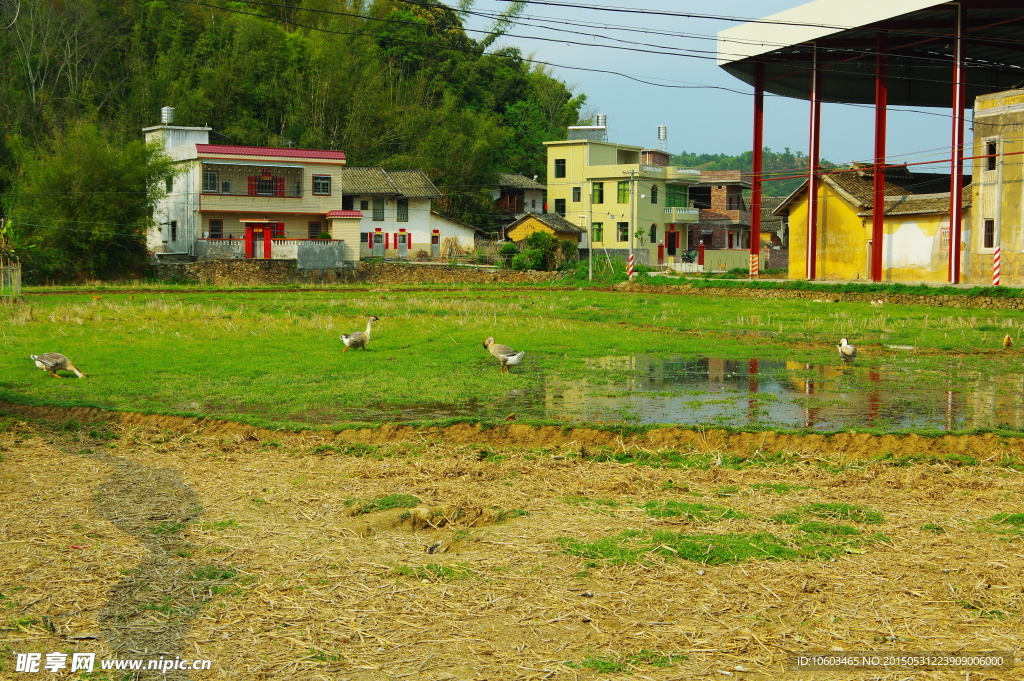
pixel 683 213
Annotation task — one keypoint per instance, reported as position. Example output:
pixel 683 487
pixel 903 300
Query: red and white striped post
pixel 995 267
pixel 629 268
pixel 754 265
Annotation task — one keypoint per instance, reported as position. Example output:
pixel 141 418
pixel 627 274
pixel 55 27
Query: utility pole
pixel 590 246
pixel 630 232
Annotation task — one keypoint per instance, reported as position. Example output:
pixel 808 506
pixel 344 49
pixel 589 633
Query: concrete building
pixel 630 197
pixel 915 245
pixel 997 215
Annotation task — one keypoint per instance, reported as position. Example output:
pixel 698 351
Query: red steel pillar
pixel 813 167
pixel 758 165
pixel 956 172
pixel 878 204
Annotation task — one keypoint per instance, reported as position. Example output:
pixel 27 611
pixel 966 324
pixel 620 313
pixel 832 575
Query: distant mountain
pixel 777 164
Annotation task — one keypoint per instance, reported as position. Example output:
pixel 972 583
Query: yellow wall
pixel 911 244
pixel 997 194
pixel 531 225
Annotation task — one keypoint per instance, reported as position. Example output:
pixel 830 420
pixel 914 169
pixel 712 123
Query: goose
pixel 847 352
pixel 506 355
pixel 54 362
pixel 359 339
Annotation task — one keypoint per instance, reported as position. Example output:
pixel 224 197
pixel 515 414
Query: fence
pixel 10 280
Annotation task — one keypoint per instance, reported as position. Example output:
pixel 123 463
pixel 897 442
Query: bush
pixel 324 235
pixel 530 259
pixel 508 251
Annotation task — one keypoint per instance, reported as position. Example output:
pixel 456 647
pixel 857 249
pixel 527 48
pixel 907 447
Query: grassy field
pixel 274 358
pixel 331 521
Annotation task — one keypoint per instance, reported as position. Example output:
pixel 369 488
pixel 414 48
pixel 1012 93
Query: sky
pixel 716 116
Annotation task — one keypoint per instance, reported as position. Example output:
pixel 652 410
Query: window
pixel 654 193
pixel 622 231
pixel 174 230
pixel 623 194
pixel 944 239
pixel 654 234
pixel 322 185
pixel 225 187
pixel 216 229
pixel 559 167
pixel 313 230
pixel 989 237
pixel 597 195
pixel 364 205
pixel 403 210
pixel 560 207
pixel 597 231
pixel 576 194
pixel 211 181
pixel 378 209
pixel 401 238
pixel 378 238
pixel 675 198
pixel 169 183
pixel 265 185
pixel 990 152
pixel 364 237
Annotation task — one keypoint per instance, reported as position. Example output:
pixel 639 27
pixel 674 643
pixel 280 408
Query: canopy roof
pixel 918 36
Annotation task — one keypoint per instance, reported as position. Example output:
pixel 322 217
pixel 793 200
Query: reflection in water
pixel 788 394
pixel 753 392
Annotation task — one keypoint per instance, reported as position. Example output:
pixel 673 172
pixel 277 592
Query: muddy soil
pixel 271 556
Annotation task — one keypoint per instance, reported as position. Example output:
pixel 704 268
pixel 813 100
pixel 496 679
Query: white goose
pixel 847 352
pixel 506 355
pixel 54 362
pixel 359 339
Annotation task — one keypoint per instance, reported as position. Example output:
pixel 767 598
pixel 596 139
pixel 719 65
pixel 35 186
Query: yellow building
pixel 915 243
pixel 550 223
pixel 629 196
pixel 997 191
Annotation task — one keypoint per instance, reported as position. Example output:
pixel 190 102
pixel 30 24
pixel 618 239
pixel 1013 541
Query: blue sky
pixel 701 119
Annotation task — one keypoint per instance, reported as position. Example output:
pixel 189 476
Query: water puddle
pixel 769 393
pixel 755 392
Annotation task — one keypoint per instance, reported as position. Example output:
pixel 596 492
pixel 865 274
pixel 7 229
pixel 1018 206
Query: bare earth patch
pixel 255 549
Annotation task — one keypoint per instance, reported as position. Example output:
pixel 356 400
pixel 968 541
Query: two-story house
pixel 629 199
pixel 233 201
pixel 397 216
pixel 245 202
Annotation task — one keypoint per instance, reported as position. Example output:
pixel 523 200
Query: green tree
pixel 82 203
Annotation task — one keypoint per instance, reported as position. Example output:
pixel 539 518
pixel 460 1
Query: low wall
pixel 254 272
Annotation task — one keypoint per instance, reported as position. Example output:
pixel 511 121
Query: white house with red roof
pixel 234 202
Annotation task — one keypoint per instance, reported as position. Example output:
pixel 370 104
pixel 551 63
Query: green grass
pixel 639 546
pixel 700 513
pixel 273 358
pixel 831 511
pixel 361 507
pixel 778 487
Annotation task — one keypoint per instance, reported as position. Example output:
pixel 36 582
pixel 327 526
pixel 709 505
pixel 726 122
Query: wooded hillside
pixel 392 83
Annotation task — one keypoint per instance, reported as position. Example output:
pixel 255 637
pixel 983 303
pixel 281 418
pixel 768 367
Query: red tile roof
pixel 279 152
pixel 345 214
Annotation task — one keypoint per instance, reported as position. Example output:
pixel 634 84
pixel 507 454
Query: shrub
pixel 324 235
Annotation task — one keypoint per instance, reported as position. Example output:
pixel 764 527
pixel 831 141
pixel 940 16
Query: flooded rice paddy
pixel 753 392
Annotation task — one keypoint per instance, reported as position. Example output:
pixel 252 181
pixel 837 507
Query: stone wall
pixel 412 273
pixel 255 272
